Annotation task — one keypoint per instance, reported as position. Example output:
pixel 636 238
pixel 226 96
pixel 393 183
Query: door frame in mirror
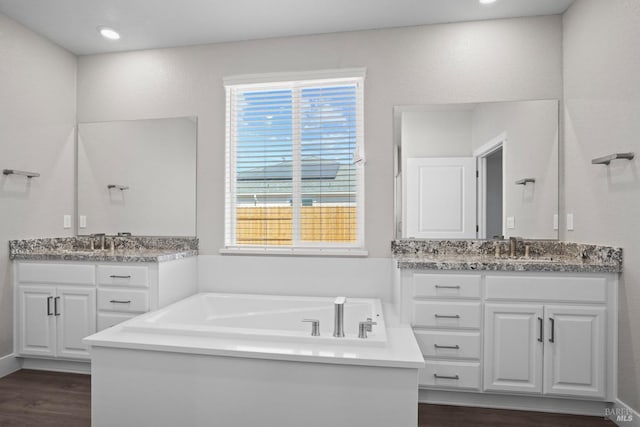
pixel 481 154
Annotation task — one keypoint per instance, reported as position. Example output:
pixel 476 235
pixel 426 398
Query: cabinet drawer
pixel 449 345
pixel 547 288
pixel 107 320
pixel 56 273
pixel 462 375
pixel 430 314
pixel 123 300
pixel 123 275
pixel 446 285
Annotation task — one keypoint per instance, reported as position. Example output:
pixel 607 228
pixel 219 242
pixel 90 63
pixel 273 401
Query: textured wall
pixel 531 152
pixel 37 120
pixel 602 116
pixel 475 61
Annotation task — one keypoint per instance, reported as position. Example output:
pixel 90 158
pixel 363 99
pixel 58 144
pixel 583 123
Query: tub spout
pixel 338 317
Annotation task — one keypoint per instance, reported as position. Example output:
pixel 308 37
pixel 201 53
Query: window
pixel 295 162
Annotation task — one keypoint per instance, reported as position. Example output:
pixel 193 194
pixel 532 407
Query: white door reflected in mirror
pixel 441 198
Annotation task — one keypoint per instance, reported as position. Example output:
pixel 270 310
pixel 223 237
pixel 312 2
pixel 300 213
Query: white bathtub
pixel 263 317
pixel 239 360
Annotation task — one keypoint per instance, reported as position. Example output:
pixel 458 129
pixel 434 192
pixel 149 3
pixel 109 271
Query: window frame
pixel 295 82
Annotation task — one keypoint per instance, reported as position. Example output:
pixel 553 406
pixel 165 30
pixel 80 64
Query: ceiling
pixel 145 24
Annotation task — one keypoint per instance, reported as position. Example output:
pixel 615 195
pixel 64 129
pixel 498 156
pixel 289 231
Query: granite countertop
pixel 545 256
pixel 503 264
pixel 119 255
pixel 126 249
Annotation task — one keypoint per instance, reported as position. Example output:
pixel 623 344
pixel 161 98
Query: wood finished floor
pixel 52 399
pixel 45 399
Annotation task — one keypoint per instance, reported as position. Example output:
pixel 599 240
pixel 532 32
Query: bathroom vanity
pixel 64 291
pixel 515 332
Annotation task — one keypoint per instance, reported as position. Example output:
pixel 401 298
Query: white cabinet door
pixel 76 319
pixel 574 360
pixel 36 327
pixel 513 348
pixel 441 198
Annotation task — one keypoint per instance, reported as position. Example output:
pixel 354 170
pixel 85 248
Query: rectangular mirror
pixel 137 176
pixel 482 170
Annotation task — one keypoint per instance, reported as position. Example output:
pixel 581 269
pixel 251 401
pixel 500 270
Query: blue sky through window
pixel 265 127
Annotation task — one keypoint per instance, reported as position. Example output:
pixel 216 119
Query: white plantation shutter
pixel 295 162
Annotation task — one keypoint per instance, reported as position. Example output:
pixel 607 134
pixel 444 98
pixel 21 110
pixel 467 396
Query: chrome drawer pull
pixel 446 377
pixel 442 316
pixel 447 287
pixel 115 276
pixel 115 301
pixel 453 347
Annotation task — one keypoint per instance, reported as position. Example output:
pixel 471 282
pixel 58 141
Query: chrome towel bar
pixel 607 159
pixel 119 187
pixel 525 181
pixel 17 172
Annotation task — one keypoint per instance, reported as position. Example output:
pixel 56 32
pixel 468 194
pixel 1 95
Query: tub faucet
pixel 338 316
pixel 364 327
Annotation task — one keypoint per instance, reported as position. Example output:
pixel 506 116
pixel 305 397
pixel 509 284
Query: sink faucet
pixel 338 316
pixel 513 246
pixel 102 237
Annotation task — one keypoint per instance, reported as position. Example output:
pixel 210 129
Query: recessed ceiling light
pixel 108 33
pixel 487 1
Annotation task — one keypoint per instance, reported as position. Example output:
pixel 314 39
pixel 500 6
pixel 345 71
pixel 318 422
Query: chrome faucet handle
pixel 364 327
pixel 370 324
pixel 315 326
pixel 101 237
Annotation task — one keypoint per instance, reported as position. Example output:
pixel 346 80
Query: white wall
pixel 436 134
pixel 474 61
pixel 602 116
pixel 37 119
pixel 156 159
pixel 311 276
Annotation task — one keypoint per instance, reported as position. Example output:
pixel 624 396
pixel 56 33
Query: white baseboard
pixel 9 364
pixel 515 402
pixel 624 415
pixel 70 366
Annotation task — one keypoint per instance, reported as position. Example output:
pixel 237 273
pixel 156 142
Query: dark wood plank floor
pixel 456 416
pixel 38 398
